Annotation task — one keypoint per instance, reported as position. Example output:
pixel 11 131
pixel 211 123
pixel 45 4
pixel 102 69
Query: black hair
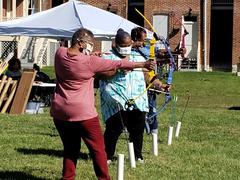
pixel 81 34
pixel 136 33
pixel 121 36
pixel 12 62
pixel 36 67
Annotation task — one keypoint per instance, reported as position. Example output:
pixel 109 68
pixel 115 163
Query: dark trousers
pixel 71 134
pixel 151 120
pixel 134 122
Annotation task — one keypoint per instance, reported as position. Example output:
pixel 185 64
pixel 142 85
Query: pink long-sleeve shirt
pixel 73 99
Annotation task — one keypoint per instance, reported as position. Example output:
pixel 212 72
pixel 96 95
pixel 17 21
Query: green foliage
pixel 208 146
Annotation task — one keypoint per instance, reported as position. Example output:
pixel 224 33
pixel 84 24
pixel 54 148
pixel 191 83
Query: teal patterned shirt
pixel 115 92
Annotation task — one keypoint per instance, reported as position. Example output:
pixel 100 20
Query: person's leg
pixel 112 132
pixel 150 114
pixel 70 136
pixel 154 123
pixel 93 138
pixel 135 125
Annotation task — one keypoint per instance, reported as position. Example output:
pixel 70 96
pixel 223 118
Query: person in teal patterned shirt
pixel 116 92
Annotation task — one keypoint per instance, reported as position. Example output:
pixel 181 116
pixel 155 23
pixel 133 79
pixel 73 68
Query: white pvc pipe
pixel 170 133
pixel 120 168
pixel 155 144
pixel 131 155
pixel 178 129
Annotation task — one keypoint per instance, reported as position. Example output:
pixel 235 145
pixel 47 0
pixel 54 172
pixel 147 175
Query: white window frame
pixel 31 6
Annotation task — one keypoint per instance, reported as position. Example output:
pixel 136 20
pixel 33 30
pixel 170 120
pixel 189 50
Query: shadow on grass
pixel 50 152
pixel 17 175
pixel 234 108
pixel 48 134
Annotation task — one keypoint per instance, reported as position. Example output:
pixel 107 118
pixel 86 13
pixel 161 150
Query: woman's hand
pixel 149 64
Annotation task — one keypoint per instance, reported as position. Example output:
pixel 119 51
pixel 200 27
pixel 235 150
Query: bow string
pixel 171 63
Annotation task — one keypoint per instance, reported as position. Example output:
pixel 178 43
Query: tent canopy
pixel 62 21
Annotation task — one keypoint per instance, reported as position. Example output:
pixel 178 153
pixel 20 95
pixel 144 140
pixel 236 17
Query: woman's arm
pixel 98 65
pixel 105 75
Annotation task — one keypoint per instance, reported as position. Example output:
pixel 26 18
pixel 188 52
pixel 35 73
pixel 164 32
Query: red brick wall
pixel 236 33
pixel 19 6
pixel 117 5
pixel 47 4
pixel 180 7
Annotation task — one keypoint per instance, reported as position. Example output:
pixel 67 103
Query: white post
pixel 25 8
pixel 170 132
pixel 131 155
pixel 1 10
pixel 199 56
pixel 205 34
pixel 14 8
pixel 8 10
pixel 155 144
pixel 40 5
pixel 178 129
pixel 120 168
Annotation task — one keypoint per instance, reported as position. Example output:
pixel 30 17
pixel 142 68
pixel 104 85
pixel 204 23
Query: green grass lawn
pixel 208 146
pixel 49 70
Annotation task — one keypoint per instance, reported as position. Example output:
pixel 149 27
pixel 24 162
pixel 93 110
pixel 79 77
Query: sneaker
pixel 109 162
pixel 140 160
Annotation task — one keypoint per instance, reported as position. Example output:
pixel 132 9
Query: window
pixel 31 7
pixel 222 2
pixel 57 3
pixel 160 23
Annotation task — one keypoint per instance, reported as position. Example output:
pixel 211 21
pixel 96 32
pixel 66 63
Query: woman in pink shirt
pixel 73 108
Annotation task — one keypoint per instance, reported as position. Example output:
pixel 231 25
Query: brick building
pixel 213 42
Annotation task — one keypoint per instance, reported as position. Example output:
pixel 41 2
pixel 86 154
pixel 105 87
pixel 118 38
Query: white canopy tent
pixel 62 21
